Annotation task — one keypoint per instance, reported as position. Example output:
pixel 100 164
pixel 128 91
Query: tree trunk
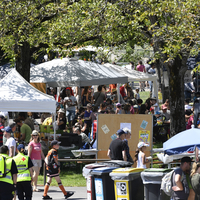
pixel 176 72
pixel 23 60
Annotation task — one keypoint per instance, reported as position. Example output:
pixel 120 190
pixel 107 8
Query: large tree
pixel 170 26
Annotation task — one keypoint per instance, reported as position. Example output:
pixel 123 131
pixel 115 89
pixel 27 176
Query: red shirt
pixel 122 91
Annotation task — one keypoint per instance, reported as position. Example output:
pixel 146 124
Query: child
pixel 140 156
pixel 118 109
pixel 53 170
pixel 137 95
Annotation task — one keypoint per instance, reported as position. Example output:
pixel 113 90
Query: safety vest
pixel 8 177
pixel 22 166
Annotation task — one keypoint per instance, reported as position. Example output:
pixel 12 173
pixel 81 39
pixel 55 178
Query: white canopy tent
pixel 17 95
pixel 69 72
pixel 134 75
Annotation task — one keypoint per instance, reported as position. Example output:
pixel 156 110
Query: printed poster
pixel 125 125
pixel 144 136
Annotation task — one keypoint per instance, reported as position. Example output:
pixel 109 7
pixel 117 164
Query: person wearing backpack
pixel 8 175
pixel 53 170
pixel 180 188
pixel 25 174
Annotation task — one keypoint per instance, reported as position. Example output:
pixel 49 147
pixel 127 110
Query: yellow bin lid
pixel 127 170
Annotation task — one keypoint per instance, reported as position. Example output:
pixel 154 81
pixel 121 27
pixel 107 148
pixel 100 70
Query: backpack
pixel 166 184
pixel 3 166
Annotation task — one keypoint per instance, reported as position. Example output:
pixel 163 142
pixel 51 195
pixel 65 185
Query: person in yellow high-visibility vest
pixel 25 174
pixel 7 182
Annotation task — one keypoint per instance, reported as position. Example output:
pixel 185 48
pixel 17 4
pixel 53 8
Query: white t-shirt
pixel 156 107
pixel 70 100
pixel 11 143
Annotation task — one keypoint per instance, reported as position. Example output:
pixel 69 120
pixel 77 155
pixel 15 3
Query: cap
pixel 142 144
pixel 120 132
pixel 89 105
pixel 54 142
pixel 61 111
pixel 186 159
pixel 126 130
pixel 20 146
pixel 157 113
pixel 2 117
pixel 135 106
pixel 118 104
pixel 7 129
pixel 34 132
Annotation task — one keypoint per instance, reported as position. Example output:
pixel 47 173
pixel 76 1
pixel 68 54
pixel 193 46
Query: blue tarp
pixel 183 142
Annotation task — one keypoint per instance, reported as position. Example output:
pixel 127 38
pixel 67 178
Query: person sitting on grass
pixel 53 170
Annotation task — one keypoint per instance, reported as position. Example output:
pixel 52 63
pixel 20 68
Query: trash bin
pixel 90 179
pixel 152 179
pixel 104 185
pixel 117 163
pixel 128 183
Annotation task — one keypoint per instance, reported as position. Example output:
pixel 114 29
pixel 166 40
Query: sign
pixel 121 188
pixel 105 129
pixel 144 136
pixel 144 124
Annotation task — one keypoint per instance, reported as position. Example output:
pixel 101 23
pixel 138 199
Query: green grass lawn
pixel 70 177
pixel 144 95
pixel 68 180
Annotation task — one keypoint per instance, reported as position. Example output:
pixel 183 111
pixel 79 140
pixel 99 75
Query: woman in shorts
pixel 35 153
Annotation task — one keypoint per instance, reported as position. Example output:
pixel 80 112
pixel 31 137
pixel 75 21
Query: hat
pixel 135 106
pixel 157 113
pixel 153 98
pixel 2 117
pixel 7 129
pixel 20 146
pixel 114 90
pixel 186 159
pixel 61 110
pixel 54 142
pixel 89 105
pixel 34 132
pixel 118 104
pixel 126 130
pixel 164 107
pixel 120 132
pixel 142 144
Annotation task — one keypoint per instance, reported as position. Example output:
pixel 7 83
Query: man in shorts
pixel 53 170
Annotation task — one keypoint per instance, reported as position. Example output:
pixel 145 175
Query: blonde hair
pixel 195 166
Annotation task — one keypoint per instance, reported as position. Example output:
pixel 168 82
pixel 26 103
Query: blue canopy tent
pixel 185 141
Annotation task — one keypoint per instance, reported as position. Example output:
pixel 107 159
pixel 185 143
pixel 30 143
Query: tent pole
pixel 58 93
pixel 118 93
pixel 54 127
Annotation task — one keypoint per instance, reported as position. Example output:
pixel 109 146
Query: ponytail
pixel 195 166
pixel 22 151
pixel 136 155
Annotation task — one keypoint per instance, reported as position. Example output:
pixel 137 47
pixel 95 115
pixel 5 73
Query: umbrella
pixel 185 141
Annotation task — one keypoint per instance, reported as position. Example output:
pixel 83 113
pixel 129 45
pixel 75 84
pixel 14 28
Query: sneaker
pixel 69 194
pixel 46 197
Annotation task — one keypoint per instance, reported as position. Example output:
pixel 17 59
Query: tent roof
pixel 18 95
pixel 133 75
pixel 69 72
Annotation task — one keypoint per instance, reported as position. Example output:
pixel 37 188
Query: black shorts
pixel 52 172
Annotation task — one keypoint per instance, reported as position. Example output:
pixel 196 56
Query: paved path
pixel 80 193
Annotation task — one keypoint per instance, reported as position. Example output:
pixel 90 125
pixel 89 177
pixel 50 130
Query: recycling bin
pixel 152 179
pixel 90 179
pixel 128 183
pixel 104 185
